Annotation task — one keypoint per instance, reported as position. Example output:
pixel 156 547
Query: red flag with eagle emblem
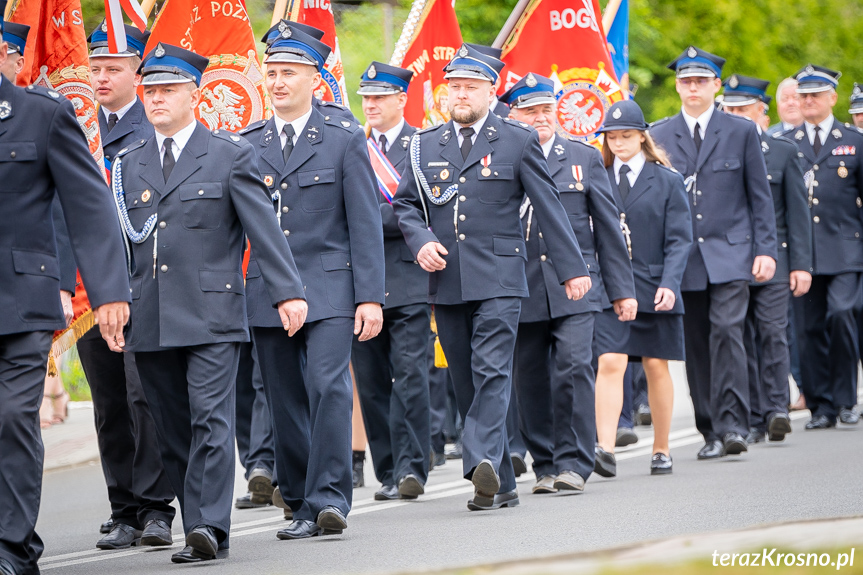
pixel 564 39
pixel 232 89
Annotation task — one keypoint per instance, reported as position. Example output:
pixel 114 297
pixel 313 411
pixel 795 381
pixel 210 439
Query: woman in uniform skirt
pixel 656 220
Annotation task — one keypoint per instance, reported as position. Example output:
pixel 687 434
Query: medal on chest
pixel 486 171
pixel 578 175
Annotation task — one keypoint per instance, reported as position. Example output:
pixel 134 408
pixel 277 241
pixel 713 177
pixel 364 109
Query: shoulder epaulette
pixel 429 129
pixel 253 126
pixel 228 136
pixel 521 125
pixel 42 91
pixel 341 122
pixel 669 168
pixel 133 146
pixel 660 121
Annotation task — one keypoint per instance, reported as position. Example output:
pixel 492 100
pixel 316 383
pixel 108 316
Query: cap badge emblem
pixel 372 72
pixel 160 50
pixel 104 26
pixel 462 51
pixel 692 52
pixel 616 114
pixel 733 82
pixel 284 30
pixel 530 80
pixel 809 69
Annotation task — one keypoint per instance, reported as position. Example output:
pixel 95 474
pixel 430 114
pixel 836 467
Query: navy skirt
pixel 658 335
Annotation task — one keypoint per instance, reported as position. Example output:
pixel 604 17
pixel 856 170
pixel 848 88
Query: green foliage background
pixel 770 39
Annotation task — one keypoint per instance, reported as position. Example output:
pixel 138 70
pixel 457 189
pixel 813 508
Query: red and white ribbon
pixel 114 10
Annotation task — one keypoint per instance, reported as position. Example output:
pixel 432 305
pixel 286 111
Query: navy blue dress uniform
pixel 767 318
pixel 33 167
pixel 185 214
pixel 472 205
pixel 553 353
pixel 658 226
pixel 138 489
pixel 336 235
pixel 325 107
pixel 392 369
pixel 732 221
pixel 833 173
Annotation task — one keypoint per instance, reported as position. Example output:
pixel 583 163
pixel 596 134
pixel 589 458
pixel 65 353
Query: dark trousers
pixel 438 381
pixel 391 372
pixel 23 363
pixel 716 358
pixel 829 354
pixel 138 488
pixel 639 384
pixel 555 387
pixel 517 442
pixel 478 339
pixel 254 428
pixel 767 352
pixel 191 396
pixel 308 383
pixel 796 336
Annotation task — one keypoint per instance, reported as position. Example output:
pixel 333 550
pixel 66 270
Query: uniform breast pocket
pixel 13 156
pixel 835 163
pixel 727 171
pixel 201 205
pixel 493 187
pixel 573 196
pixel 339 279
pixel 136 201
pixel 318 188
pixel 510 255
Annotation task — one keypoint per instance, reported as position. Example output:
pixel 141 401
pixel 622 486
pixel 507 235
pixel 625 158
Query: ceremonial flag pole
pixel 510 23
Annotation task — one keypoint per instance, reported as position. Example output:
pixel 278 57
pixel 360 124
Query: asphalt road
pixel 810 475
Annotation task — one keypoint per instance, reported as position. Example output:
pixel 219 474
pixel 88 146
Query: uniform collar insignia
pixel 492 129
pixel 764 147
pixel 799 135
pixel 312 129
pixel 836 133
pixel 5 110
pixel 346 124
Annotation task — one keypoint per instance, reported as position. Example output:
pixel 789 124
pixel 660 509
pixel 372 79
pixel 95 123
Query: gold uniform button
pixel 285 209
pixel 284 186
pixel 815 201
pixel 462 198
pixel 164 268
pixel 462 180
pixel 816 219
pixel 162 225
pixel 543 258
pixel 227 286
pixel 461 236
pixel 462 218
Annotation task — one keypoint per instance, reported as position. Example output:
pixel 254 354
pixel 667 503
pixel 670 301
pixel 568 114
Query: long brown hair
pixel 652 151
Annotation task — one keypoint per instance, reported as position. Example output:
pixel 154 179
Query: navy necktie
pixel 623 185
pixel 467 142
pixel 168 160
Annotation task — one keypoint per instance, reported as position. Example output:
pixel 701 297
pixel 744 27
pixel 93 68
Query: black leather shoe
pixel 755 436
pixel 245 502
pixel 121 537
pixel 299 529
pixel 604 464
pixel 203 542
pixel 453 452
pixel 711 450
pixel 486 483
pixel 157 533
pixel 437 460
pixel 643 415
pixel 569 480
pixel 331 520
pixel 519 465
pixel 410 487
pixel 849 416
pixel 820 422
pixel 187 555
pixel 508 499
pixel 106 526
pixel 386 493
pixel 778 426
pixel 660 464
pixel 6 568
pixel 261 485
pixel 734 443
pixel 625 436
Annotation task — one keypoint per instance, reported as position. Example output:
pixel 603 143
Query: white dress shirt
pixel 121 112
pixel 299 125
pixel 825 126
pixel 701 120
pixel 476 128
pixel 546 147
pixel 635 163
pixel 180 139
pixel 391 135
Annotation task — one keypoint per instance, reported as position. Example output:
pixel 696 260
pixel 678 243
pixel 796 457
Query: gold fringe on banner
pixel 64 341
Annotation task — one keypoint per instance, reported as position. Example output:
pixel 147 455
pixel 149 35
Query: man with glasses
pixel 734 227
pixel 834 180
